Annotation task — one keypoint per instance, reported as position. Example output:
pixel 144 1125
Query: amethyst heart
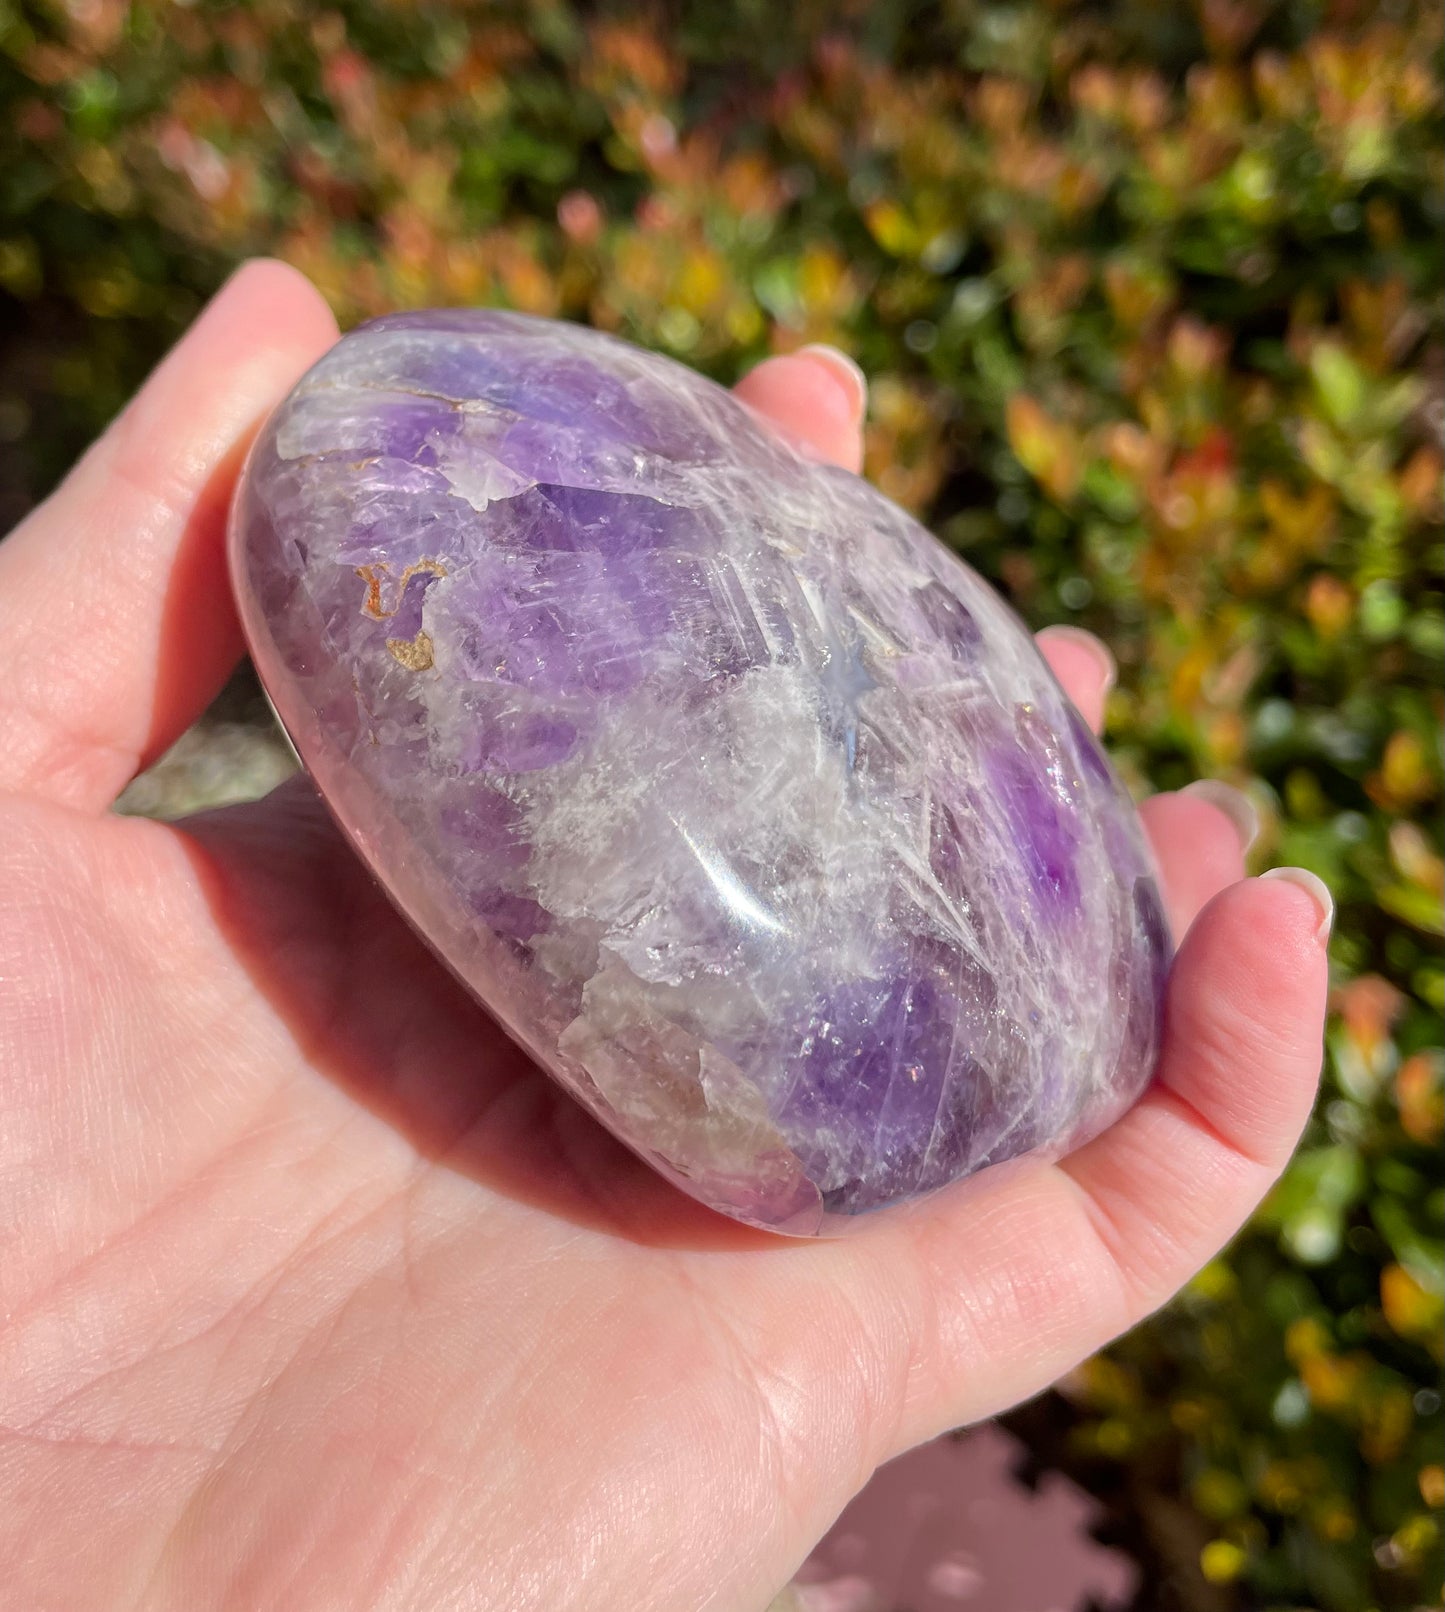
pixel 743 805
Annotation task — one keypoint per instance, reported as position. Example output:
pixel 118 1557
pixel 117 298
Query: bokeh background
pixel 1150 295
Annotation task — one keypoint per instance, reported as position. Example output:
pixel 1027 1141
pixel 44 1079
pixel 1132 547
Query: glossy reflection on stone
pixel 745 806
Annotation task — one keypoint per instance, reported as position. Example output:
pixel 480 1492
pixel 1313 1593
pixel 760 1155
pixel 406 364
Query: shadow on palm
pixel 373 1010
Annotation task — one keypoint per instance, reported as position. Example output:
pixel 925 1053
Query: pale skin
pixel 314 1294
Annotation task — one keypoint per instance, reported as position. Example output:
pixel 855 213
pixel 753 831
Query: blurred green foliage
pixel 1151 298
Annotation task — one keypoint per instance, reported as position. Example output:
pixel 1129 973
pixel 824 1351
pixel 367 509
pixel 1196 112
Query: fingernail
pixel 1317 889
pixel 1234 803
pixel 1095 648
pixel 845 370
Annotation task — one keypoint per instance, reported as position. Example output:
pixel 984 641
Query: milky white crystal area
pixel 745 806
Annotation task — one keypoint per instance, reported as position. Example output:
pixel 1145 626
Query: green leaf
pixel 1339 383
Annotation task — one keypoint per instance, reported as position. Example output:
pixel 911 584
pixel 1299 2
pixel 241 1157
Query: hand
pixel 314 1294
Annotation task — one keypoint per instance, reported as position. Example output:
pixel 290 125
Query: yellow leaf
pixel 1411 1310
pixel 1048 450
pixel 1221 1561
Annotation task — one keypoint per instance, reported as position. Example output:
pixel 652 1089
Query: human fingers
pixel 996 1288
pixel 116 620
pixel 1199 836
pixel 1084 667
pixel 816 396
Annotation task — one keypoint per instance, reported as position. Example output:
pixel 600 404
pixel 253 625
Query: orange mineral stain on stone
pixel 374 575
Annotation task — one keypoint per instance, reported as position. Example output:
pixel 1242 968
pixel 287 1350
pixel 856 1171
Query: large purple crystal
pixel 744 806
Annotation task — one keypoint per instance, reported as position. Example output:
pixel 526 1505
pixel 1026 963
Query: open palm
pixel 314 1293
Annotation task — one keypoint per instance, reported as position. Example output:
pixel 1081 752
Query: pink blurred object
pixel 949 1526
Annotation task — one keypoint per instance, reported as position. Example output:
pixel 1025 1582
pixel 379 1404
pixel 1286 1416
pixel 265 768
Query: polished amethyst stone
pixel 744 806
